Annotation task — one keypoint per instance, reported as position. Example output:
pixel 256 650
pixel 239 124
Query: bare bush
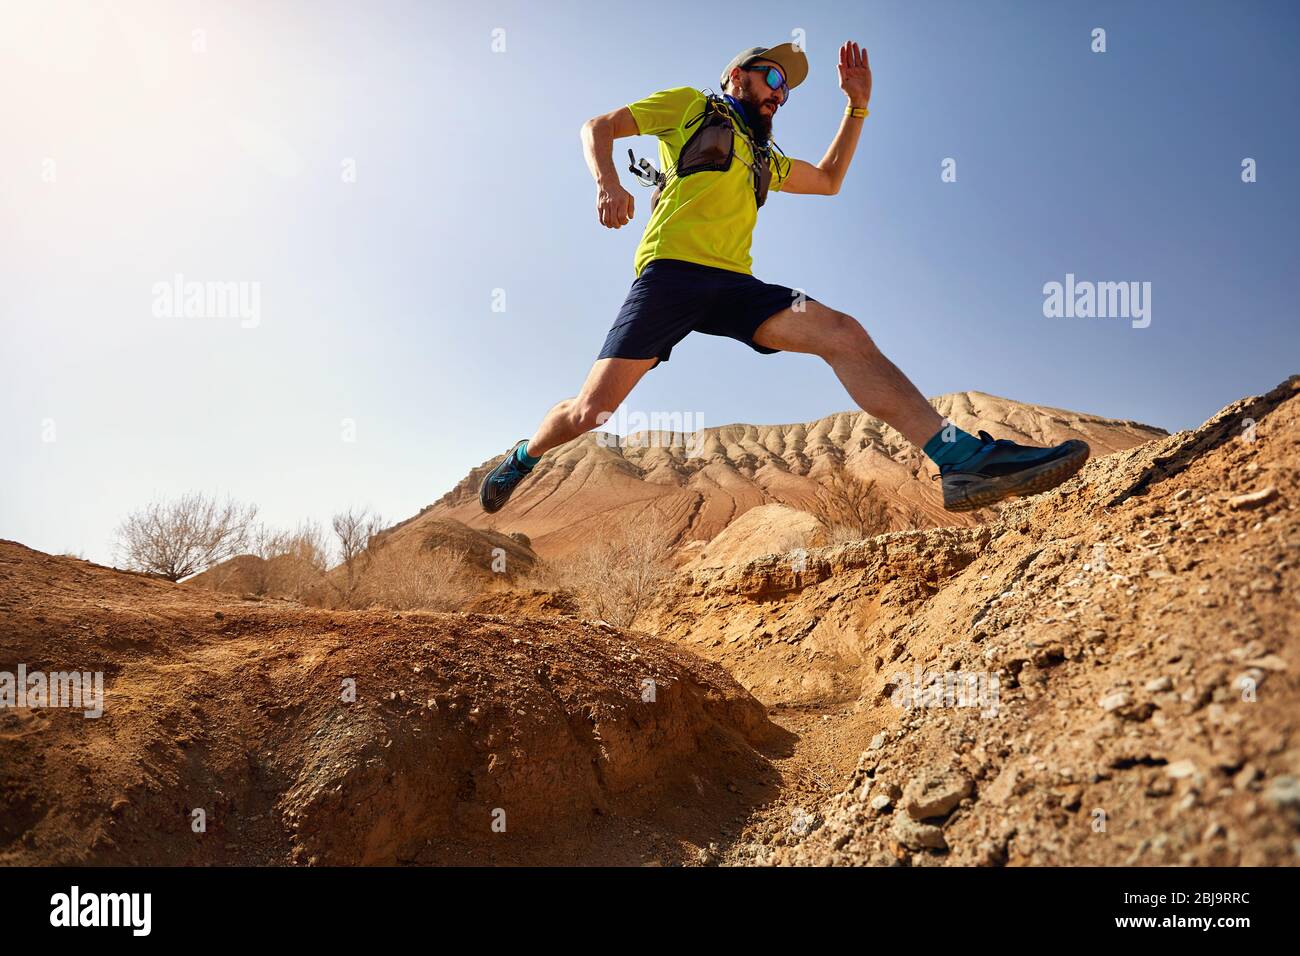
pixel 293 562
pixel 915 517
pixel 428 580
pixel 353 531
pixel 183 537
pixel 614 579
pixel 849 508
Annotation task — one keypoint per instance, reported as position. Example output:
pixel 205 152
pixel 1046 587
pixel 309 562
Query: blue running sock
pixel 525 460
pixel 951 446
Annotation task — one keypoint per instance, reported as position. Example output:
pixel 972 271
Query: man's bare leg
pixel 976 472
pixel 873 381
pixel 609 382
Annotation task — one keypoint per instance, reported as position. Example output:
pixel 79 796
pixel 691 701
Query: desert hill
pixel 698 485
pixel 1103 674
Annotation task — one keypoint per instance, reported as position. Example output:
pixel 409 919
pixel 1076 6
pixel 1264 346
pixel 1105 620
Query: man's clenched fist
pixel 614 206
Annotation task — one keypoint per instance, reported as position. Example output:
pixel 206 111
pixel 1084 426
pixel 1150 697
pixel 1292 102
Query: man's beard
pixel 760 122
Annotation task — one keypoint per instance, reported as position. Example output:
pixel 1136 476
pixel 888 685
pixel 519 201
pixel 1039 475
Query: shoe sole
pixel 1031 481
pixel 482 495
pixel 482 486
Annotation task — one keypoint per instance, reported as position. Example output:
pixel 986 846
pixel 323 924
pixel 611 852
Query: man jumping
pixel 693 275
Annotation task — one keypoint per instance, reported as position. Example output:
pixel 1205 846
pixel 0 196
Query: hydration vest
pixel 711 148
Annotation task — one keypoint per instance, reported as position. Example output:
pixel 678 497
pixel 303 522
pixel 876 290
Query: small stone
pixel 1269 662
pixel 880 803
pixel 1114 701
pixel 1245 777
pixel 936 794
pixel 1253 499
pixel 917 836
pixel 1283 791
pixel 1159 684
pixel 878 741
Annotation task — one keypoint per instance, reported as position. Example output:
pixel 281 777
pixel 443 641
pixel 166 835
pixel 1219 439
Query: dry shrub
pixel 425 580
pixel 849 508
pixel 293 562
pixel 183 537
pixel 613 579
pixel 915 517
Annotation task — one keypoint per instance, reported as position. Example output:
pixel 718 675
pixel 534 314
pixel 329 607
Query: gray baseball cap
pixel 791 60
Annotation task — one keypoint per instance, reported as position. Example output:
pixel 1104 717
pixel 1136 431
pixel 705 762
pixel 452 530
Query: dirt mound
pixel 490 560
pixel 698 485
pixel 524 604
pixel 490 553
pixel 582 742
pixel 1106 675
pixel 261 577
pixel 759 531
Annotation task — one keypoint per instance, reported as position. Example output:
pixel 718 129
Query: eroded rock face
pixel 1133 639
pixel 794 629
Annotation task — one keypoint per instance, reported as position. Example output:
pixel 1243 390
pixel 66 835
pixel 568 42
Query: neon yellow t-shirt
pixel 707 217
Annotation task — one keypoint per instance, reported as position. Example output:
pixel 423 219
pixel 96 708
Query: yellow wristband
pixel 857 113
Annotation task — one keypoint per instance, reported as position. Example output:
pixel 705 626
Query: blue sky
pixel 143 140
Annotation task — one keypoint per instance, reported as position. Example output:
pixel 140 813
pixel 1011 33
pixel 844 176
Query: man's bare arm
pixel 614 204
pixel 825 178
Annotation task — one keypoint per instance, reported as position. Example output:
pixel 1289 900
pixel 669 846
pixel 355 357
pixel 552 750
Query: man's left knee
pixel 846 336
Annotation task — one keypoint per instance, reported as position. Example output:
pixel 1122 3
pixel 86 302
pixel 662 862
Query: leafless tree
pixel 915 517
pixel 183 537
pixel 353 531
pixel 850 508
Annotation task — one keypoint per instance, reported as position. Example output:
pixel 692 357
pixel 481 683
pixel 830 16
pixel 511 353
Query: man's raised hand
pixel 855 74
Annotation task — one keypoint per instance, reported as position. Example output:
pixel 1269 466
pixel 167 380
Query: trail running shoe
pixel 499 483
pixel 1003 469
